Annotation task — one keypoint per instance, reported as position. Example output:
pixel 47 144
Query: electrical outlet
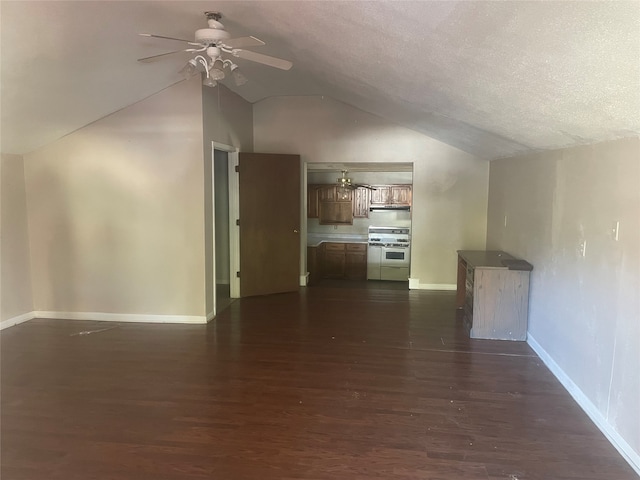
pixel 583 248
pixel 615 230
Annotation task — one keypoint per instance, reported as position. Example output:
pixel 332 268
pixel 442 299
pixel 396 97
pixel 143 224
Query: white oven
pixel 388 254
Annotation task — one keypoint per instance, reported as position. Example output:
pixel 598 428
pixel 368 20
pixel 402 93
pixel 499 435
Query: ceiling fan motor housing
pixel 208 36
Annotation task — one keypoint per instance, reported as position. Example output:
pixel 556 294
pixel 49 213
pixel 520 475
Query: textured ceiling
pixel 492 78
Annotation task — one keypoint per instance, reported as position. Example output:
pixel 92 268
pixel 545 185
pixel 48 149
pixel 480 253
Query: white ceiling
pixel 492 78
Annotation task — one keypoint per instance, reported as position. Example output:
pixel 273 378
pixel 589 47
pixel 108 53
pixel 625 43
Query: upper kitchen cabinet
pixel 361 202
pixel 391 195
pixel 401 195
pixel 334 205
pixel 381 195
pixel 336 213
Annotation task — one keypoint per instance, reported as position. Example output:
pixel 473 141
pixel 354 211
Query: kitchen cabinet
pixel 335 213
pixel 361 202
pixel 355 261
pixel 493 294
pixel 333 193
pixel 333 208
pixel 381 195
pixel 333 260
pixel 338 260
pixel 333 205
pixel 391 195
pixel 401 195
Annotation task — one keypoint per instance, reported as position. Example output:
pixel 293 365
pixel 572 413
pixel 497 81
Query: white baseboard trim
pixel 210 316
pixel 120 317
pixel 632 457
pixel 304 279
pixel 10 322
pixel 414 284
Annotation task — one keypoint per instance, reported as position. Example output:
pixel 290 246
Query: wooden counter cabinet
pixel 333 260
pixel 337 260
pixel 355 267
pixel 493 293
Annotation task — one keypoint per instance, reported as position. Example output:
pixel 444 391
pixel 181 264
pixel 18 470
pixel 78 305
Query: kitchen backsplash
pixel 361 225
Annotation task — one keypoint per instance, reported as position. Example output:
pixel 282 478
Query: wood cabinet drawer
pixel 334 247
pixel 356 247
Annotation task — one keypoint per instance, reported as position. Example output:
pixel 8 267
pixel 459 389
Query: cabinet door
pixel 312 201
pixel 381 195
pixel 326 193
pixel 334 260
pixel 356 261
pixel 361 202
pixel 336 213
pixel 401 195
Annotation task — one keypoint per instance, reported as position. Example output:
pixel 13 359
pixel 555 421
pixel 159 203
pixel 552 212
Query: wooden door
pixel 269 223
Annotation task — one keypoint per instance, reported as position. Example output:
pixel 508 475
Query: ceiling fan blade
pixel 243 42
pixel 166 38
pixel 264 59
pixel 153 57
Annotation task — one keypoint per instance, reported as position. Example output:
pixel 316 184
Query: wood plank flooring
pixel 339 381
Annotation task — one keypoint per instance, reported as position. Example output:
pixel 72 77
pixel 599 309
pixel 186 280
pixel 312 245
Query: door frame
pixel 234 238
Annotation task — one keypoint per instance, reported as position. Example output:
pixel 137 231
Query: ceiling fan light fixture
pixel 344 181
pixel 237 75
pixel 209 82
pixel 217 70
pixel 189 69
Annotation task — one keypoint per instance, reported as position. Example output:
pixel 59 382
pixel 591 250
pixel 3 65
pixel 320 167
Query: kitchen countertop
pixel 494 259
pixel 484 258
pixel 315 239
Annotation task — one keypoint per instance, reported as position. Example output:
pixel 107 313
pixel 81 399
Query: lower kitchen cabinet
pixel 355 267
pixel 337 260
pixel 333 261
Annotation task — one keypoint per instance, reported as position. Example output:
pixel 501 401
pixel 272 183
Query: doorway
pixel 368 208
pixel 221 228
pixel 220 236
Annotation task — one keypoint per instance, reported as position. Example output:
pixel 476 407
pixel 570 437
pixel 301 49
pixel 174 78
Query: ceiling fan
pixel 216 43
pixel 345 182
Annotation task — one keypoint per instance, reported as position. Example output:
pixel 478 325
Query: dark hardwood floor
pixel 339 381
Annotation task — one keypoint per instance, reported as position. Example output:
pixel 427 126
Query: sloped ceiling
pixel 491 78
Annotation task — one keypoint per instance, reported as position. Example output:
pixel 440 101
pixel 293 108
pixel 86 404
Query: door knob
pixel 295 231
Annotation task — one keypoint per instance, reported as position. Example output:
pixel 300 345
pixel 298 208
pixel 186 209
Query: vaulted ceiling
pixel 492 78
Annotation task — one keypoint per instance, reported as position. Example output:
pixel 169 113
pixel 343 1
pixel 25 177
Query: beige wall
pixel 116 211
pixel 15 282
pixel 584 311
pixel 227 119
pixel 449 186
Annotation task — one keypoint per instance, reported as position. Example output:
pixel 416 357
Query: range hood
pixel 386 208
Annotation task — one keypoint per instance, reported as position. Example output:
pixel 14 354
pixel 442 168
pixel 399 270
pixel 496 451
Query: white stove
pixel 388 253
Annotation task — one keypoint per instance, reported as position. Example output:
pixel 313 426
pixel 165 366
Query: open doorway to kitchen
pixel 340 221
